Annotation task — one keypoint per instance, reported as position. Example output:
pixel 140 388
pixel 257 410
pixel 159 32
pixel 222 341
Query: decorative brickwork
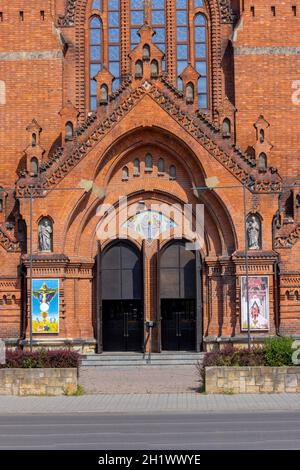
pixel 236 162
pixel 73 160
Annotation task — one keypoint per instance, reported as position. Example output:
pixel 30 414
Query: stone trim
pixel 31 55
pixel 266 50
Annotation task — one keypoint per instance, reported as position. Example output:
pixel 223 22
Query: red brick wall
pixel 257 81
pixel 33 87
pixel 264 79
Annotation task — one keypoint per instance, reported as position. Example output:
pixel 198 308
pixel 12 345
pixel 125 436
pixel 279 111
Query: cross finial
pixel 147 5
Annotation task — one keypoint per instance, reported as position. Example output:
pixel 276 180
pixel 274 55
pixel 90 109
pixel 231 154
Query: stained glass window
pixel 181 37
pixel 157 18
pixel 149 224
pixel 159 25
pixel 114 46
pixel 95 57
pixel 136 21
pixel 200 29
pixel 96 5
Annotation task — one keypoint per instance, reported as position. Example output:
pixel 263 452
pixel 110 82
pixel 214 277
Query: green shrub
pixel 278 351
pixel 231 357
pixel 60 358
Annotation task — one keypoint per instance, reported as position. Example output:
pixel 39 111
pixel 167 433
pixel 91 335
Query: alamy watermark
pixel 2 352
pixel 296 353
pixel 296 93
pixel 141 221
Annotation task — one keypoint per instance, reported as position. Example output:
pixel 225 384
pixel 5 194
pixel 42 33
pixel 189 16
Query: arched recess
pixel 85 240
pixel 132 140
pixel 83 220
pixel 76 12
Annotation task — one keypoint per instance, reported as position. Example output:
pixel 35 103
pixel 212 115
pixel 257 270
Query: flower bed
pixel 54 359
pixel 266 369
pixel 43 372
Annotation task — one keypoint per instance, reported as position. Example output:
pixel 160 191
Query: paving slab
pixel 149 403
pixel 140 379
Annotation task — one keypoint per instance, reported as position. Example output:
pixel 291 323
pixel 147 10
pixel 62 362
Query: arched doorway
pixel 122 298
pixel 180 298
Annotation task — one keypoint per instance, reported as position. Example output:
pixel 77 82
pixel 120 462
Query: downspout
pixel 276 223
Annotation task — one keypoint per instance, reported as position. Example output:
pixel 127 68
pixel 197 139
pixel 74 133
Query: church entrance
pixel 122 325
pixel 180 310
pixel 122 298
pixel 178 324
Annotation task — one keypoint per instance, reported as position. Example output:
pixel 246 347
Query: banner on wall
pixel 258 303
pixel 45 306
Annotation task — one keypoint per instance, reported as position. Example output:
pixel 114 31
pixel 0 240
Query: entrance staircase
pixel 127 359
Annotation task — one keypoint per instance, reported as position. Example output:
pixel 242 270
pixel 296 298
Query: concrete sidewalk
pixel 149 403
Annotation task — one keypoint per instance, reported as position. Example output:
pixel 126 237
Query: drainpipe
pixel 277 296
pixel 276 221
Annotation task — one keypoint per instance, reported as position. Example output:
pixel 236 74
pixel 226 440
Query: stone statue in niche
pixel 253 233
pixel 103 94
pixel 45 235
pixel 190 93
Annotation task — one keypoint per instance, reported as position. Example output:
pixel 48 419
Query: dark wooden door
pixel 178 325
pixel 122 298
pixel 122 325
pixel 179 291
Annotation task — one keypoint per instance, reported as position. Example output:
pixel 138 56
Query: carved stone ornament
pixel 94 129
pixel 68 18
pixel 226 13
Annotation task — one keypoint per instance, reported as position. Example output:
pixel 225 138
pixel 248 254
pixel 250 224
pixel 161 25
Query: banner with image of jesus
pixel 258 303
pixel 45 306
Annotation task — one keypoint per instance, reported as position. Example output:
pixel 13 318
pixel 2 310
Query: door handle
pixel 179 324
pixel 127 334
pixel 125 324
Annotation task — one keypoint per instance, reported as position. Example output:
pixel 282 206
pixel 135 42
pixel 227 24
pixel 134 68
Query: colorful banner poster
pixel 258 303
pixel 45 306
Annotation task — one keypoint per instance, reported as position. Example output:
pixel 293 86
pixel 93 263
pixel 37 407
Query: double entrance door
pixel 122 298
pixel 123 325
pixel 178 324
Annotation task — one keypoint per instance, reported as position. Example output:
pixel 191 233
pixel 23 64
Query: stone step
pixel 121 358
pixel 129 360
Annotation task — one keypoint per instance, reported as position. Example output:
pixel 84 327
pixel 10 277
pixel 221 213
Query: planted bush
pixel 275 352
pixel 278 351
pixel 60 358
pixel 231 357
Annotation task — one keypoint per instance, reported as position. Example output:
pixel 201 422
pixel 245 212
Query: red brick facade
pixel 253 56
